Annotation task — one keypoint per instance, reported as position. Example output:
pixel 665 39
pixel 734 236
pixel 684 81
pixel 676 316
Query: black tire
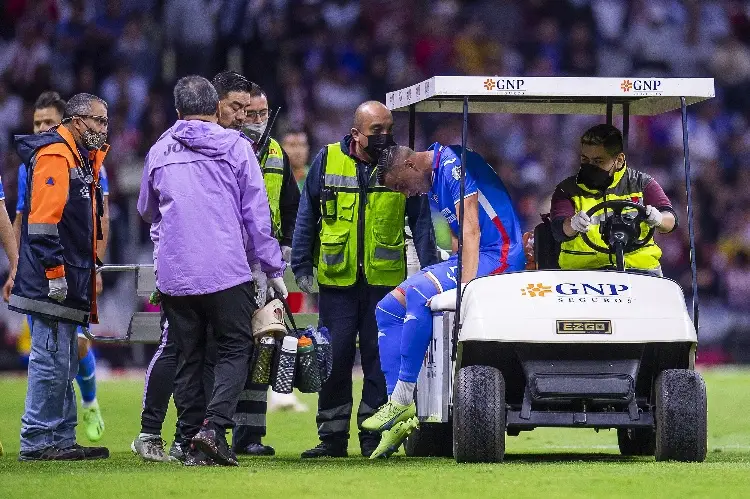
pixel 431 440
pixel 681 419
pixel 479 415
pixel 636 441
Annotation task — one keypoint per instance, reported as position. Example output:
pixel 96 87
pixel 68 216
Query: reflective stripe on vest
pixel 384 258
pixel 272 165
pixel 627 185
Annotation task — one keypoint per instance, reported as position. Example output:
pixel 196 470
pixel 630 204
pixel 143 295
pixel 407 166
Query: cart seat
pixel 546 249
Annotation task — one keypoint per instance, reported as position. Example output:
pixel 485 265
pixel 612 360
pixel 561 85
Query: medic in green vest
pixel 604 175
pixel 351 228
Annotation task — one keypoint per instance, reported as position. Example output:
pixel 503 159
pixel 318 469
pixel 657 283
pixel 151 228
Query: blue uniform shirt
pixel 2 191
pixel 22 186
pixel 498 224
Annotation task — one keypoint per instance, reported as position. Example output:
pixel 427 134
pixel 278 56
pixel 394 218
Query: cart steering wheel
pixel 627 230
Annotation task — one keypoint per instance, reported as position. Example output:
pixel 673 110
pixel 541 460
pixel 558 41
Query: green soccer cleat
pixel 93 423
pixel 388 415
pixel 392 439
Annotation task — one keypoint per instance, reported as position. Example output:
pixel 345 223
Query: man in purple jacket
pixel 203 186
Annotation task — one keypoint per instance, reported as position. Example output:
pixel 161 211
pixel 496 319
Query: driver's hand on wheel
pixel 580 222
pixel 653 216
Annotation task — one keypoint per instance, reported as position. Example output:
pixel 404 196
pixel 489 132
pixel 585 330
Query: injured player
pixel 491 245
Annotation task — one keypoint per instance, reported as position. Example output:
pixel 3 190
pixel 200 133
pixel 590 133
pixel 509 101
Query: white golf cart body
pixel 550 347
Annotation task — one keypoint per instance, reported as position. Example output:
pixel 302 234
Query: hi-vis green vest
pixel 627 185
pixel 272 165
pixel 342 231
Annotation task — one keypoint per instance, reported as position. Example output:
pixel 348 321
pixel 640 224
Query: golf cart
pixel 562 348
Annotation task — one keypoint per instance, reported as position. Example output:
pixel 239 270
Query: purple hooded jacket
pixel 203 187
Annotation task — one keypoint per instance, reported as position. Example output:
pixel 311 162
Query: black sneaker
pixel 92 452
pixel 327 449
pixel 178 451
pixel 256 449
pixel 194 457
pixel 53 454
pixel 215 446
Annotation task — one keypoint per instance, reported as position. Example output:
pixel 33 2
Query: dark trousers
pixel 229 313
pixel 160 376
pixel 347 313
pixel 250 418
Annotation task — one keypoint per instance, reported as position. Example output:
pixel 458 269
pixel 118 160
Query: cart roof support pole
pixel 412 125
pixel 625 125
pixel 691 227
pixel 609 110
pixel 462 193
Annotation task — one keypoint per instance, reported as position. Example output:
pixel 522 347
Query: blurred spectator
pixel 10 115
pixel 189 28
pixel 320 58
pixel 738 281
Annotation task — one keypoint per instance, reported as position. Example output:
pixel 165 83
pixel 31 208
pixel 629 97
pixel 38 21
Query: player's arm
pixel 7 237
pixel 471 236
pixel 20 204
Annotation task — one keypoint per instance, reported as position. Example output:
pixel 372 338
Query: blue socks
pixel 416 333
pixel 87 377
pixel 389 315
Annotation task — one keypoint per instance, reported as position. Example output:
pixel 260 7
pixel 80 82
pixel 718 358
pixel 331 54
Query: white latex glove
pixel 58 289
pixel 653 216
pixel 261 284
pixel 286 253
pixel 305 283
pixel 278 286
pixel 580 222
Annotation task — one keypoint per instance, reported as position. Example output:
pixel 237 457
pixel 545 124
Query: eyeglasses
pixel 254 115
pixel 101 120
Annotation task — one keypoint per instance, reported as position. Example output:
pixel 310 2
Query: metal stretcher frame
pixel 628 96
pixel 145 327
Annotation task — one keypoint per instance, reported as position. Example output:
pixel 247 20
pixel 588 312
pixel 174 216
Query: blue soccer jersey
pixel 2 191
pixel 498 223
pixel 23 185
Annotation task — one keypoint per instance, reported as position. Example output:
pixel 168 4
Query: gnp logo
pixel 650 86
pixel 569 292
pixel 505 86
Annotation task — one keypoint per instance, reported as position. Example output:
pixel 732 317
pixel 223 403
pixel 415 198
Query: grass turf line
pixel 542 463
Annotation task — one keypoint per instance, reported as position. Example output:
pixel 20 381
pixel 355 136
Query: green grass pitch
pixel 543 463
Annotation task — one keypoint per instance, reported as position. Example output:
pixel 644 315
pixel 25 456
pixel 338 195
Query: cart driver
pixel 491 245
pixel 605 176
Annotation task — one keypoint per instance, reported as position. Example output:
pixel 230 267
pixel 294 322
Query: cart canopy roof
pixel 550 95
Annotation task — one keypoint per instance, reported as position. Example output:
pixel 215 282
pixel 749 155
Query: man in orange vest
pixel 56 271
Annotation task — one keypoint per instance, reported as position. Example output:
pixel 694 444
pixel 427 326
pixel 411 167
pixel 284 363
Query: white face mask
pixel 255 130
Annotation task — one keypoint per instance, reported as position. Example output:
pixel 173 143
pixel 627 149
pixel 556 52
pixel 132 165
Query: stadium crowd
pixel 318 59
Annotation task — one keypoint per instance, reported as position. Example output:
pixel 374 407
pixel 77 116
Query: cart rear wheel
pixel 479 415
pixel 681 420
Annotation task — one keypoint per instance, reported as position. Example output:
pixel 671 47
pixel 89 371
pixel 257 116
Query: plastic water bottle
pixel 263 361
pixel 323 352
pixel 308 375
pixel 284 380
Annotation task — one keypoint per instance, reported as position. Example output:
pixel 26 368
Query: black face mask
pixel 593 177
pixel 377 143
